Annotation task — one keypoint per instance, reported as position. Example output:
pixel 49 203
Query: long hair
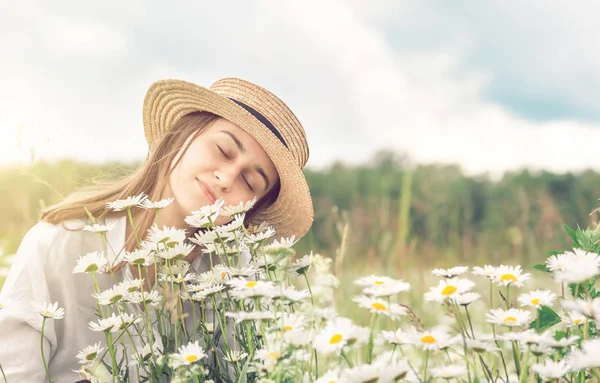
pixel 151 178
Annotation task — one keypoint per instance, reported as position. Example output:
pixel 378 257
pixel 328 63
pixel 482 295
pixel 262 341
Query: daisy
pixel 448 372
pixel 111 324
pixel 167 235
pixel 447 288
pixel 93 262
pixel 190 353
pixel 100 229
pixel 251 316
pixel 177 252
pixel 111 296
pixel 480 346
pixel 392 372
pixel 450 273
pixel 397 337
pixel 132 285
pixel 229 250
pixel 235 356
pixel 574 319
pixel 363 373
pixel 157 205
pixel 151 298
pixel 230 211
pixel 141 257
pixel 206 215
pixel 511 317
pixel 48 310
pixel 563 342
pixel 251 289
pixel 551 370
pixel 373 280
pixel 235 224
pixel 338 333
pixel 587 357
pixel 207 237
pixel 291 294
pixel 487 271
pixel 260 235
pixel 537 298
pixel 556 262
pixel 128 319
pixel 434 339
pixel 466 299
pixel 578 266
pixel 301 266
pixel 381 307
pixel 387 289
pixel 127 203
pixel 290 322
pixel 331 376
pixel 89 353
pixel 208 292
pixel 511 275
pixel 244 272
pixel 280 245
pixel 589 308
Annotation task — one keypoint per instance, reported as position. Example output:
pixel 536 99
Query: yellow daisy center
pixel 287 328
pixel 379 282
pixel 191 358
pixel 337 338
pixel 577 321
pixel 223 274
pixel 428 339
pixel 273 355
pixel 508 277
pixel 449 290
pixel 510 320
pixel 48 313
pixel 251 284
pixel 379 306
pixel 535 301
pixel 1 305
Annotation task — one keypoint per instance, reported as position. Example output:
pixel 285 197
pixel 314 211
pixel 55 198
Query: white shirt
pixel 42 272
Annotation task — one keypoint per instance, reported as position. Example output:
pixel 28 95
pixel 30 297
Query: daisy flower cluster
pixel 233 303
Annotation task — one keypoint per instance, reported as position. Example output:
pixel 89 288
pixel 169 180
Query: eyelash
pixel 229 157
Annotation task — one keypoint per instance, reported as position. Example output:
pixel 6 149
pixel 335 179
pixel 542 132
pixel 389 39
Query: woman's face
pixel 222 162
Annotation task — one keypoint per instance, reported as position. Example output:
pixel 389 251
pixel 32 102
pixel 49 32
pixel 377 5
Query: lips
pixel 208 192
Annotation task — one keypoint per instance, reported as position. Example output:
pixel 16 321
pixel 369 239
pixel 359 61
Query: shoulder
pixel 45 234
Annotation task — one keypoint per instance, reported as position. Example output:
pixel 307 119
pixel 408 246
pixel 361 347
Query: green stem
pixel 43 357
pixel 370 345
pixel 425 366
pixel 137 238
pixel 470 323
pixel 516 358
pixel 113 356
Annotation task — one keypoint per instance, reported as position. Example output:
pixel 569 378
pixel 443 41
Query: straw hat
pixel 261 114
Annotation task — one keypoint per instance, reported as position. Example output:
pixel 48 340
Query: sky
pixel 491 86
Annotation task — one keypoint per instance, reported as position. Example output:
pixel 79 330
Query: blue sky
pixel 492 86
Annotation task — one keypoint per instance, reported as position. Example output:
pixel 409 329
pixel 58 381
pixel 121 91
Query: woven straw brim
pixel 168 100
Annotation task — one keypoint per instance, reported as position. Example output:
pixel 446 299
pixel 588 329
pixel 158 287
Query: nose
pixel 224 178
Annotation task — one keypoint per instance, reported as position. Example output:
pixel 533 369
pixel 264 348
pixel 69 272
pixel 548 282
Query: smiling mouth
pixel 207 191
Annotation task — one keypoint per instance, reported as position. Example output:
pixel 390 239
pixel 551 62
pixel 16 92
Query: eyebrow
pixel 242 149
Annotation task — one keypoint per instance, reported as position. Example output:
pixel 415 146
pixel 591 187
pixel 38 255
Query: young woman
pixel 234 140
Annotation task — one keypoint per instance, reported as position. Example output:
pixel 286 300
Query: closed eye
pixel 248 184
pixel 223 152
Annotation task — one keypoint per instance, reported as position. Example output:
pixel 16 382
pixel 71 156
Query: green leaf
pixel 571 233
pixel 558 335
pixel 546 318
pixel 542 267
pixel 476 380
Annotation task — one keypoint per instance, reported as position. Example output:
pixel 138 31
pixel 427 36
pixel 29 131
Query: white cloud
pixel 393 74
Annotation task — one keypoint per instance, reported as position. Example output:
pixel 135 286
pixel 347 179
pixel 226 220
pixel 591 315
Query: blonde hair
pixel 151 178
